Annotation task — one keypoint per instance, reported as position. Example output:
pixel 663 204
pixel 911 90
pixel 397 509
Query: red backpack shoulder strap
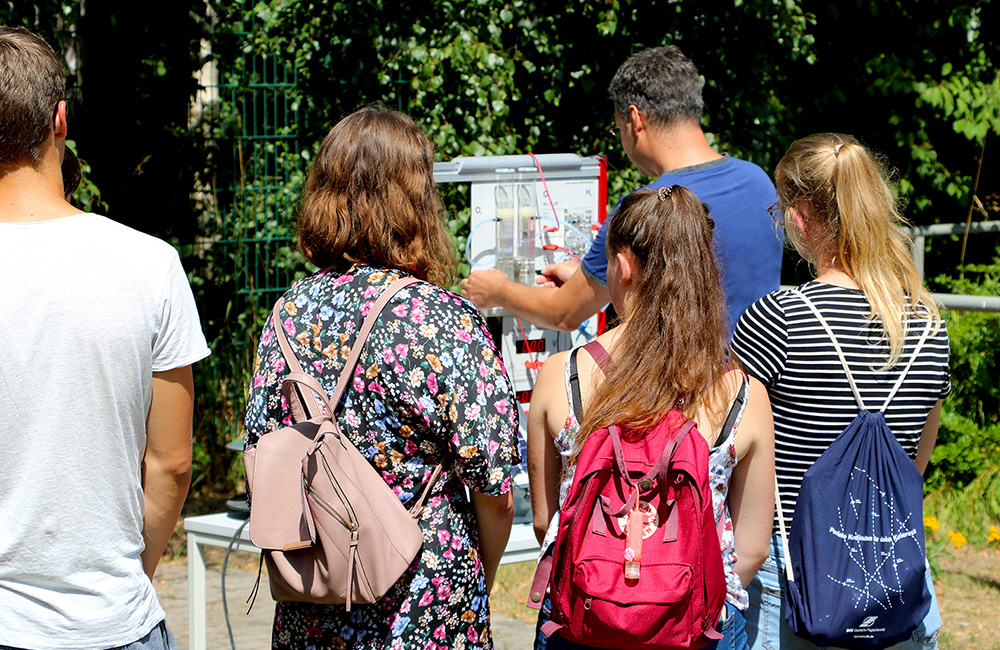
pixel 601 356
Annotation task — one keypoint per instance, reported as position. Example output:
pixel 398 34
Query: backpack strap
pixel 658 472
pixel 600 355
pixel 920 344
pixel 843 359
pixel 604 362
pixel 366 328
pixel 296 401
pixel 836 346
pixel 297 378
pixel 857 397
pixel 541 580
pixel 736 411
pixel 299 405
pixel 416 511
pixel 781 528
pixel 576 401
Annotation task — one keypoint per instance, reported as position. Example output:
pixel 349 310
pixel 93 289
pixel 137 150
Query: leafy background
pixel 917 81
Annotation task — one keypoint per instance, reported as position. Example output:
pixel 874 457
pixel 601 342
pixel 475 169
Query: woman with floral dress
pixel 429 388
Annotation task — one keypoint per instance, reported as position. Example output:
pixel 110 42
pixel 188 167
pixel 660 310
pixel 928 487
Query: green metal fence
pixel 248 110
pixel 257 93
pixel 248 113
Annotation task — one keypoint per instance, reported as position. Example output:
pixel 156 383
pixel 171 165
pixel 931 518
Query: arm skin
pixel 167 462
pixel 544 464
pixel 494 515
pixel 563 308
pixel 928 437
pixel 751 489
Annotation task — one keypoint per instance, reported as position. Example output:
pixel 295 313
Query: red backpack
pixel 637 560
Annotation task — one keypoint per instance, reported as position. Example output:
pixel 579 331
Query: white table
pixel 218 530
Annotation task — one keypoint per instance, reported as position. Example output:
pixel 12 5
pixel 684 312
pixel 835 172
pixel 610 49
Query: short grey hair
pixel 662 83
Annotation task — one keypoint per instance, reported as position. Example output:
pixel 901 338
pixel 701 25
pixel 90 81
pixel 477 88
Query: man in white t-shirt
pixel 98 331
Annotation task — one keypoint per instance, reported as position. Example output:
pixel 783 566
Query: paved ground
pixel 253 631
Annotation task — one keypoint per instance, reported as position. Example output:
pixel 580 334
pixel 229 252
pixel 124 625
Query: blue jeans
pixel 734 635
pixel 159 638
pixel 767 629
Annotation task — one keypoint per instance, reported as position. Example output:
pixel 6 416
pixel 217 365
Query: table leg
pixel 197 616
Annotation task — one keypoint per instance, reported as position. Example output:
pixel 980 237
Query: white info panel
pixel 528 212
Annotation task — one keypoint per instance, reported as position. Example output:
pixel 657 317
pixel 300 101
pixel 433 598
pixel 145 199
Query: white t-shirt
pixel 89 309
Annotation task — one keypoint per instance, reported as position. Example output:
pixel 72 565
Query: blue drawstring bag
pixel 855 555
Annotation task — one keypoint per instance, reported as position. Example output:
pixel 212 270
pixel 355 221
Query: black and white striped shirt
pixel 781 343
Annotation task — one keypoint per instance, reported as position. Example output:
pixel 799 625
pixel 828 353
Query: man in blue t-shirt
pixel 658 111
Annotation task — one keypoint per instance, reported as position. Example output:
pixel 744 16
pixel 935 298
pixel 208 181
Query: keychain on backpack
pixel 633 550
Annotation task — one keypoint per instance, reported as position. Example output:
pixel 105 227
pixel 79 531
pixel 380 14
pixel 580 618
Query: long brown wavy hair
pixel 847 188
pixel 673 341
pixel 370 199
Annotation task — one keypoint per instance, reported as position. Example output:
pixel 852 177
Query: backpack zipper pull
pixel 633 549
pixel 631 567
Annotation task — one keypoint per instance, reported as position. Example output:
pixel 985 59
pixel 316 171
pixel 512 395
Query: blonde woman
pixel 840 213
pixel 669 352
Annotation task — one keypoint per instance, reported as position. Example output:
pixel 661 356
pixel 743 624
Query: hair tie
pixel 664 192
pixel 836 150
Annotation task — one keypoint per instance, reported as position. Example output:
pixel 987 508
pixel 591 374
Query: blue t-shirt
pixel 748 243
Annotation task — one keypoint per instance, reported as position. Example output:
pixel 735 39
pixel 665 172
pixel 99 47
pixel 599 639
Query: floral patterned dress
pixel 429 388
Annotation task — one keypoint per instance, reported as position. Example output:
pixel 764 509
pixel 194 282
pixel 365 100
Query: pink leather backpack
pixel 330 528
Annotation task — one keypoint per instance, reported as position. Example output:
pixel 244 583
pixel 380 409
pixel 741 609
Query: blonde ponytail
pixel 848 190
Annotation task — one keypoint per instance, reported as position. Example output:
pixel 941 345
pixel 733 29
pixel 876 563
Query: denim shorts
pixel 732 629
pixel 159 638
pixel 766 628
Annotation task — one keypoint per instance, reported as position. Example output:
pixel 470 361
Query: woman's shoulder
pixel 321 287
pixel 448 301
pixel 555 370
pixel 364 284
pixel 426 302
pixel 438 320
pixel 733 384
pixel 918 312
pixel 785 304
pixel 769 308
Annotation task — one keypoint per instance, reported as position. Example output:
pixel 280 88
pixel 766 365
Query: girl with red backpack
pixel 665 362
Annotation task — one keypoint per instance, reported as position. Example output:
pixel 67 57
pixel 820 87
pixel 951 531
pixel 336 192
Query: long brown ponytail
pixel 673 342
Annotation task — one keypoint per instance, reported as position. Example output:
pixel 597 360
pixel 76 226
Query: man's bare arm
pixel 563 308
pixel 167 463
